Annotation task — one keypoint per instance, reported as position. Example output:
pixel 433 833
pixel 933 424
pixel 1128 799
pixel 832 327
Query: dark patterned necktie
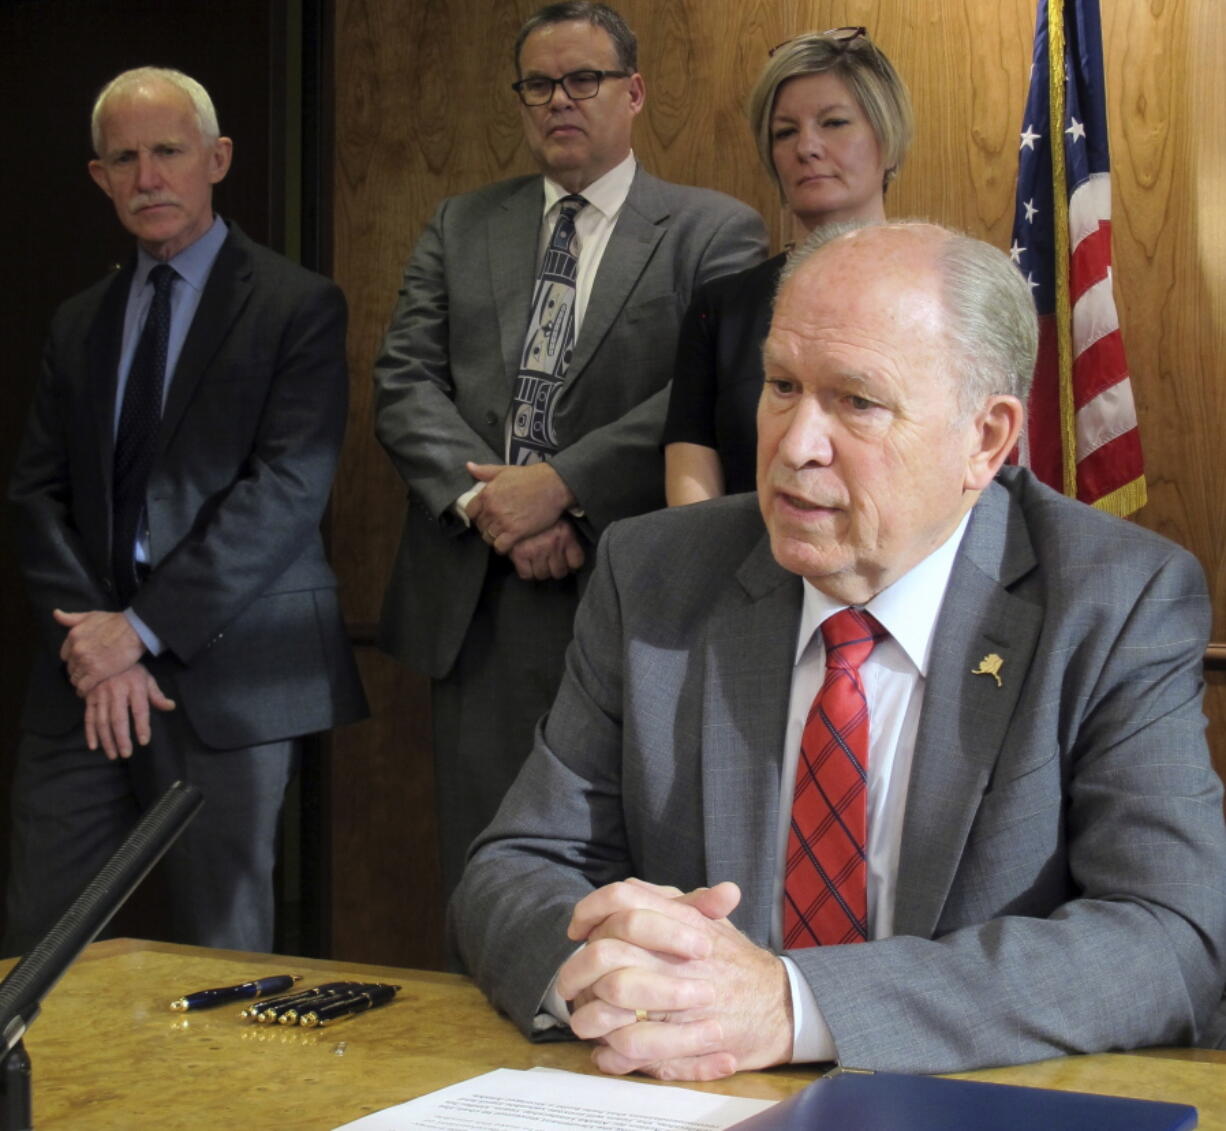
pixel 548 344
pixel 825 898
pixel 136 438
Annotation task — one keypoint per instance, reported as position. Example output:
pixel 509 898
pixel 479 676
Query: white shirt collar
pixel 907 609
pixel 607 193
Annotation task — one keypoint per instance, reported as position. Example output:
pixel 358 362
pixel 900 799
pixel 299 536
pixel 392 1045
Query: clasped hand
pixel 101 653
pixel 516 502
pixel 98 646
pixel 714 1002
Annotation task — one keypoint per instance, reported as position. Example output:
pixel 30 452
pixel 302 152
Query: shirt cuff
pixel 811 1036
pixel 460 505
pixel 150 639
pixel 553 1012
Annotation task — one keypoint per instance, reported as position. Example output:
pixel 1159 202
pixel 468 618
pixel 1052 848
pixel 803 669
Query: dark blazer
pixel 443 383
pixel 1062 872
pixel 240 591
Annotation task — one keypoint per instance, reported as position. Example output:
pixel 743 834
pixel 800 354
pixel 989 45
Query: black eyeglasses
pixel 579 85
pixel 841 37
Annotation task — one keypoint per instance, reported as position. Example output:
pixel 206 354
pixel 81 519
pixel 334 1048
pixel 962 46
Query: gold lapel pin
pixel 990 665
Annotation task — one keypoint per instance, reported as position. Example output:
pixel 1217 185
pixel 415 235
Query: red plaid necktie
pixel 825 895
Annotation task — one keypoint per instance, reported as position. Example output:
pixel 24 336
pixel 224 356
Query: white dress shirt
pixel 594 225
pixel 893 678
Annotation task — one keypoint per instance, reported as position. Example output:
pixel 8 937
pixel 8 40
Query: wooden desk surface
pixel 108 1053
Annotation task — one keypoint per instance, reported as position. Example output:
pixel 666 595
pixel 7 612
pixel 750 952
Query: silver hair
pixel 206 116
pixel 990 316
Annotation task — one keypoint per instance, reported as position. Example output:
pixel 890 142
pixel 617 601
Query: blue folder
pixel 852 1100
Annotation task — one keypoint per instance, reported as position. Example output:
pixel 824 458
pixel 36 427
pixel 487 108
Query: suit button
pixel 491 418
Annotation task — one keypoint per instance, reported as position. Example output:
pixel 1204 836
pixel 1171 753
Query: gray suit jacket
pixel 1062 875
pixel 240 591
pixel 445 376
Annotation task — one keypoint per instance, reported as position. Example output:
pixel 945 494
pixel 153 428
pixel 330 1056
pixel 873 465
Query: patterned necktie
pixel 136 438
pixel 825 897
pixel 548 345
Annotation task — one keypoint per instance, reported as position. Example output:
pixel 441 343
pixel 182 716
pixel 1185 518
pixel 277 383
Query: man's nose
pixel 808 441
pixel 148 175
pixel 558 96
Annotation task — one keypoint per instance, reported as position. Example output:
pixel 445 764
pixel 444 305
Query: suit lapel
pixel 750 650
pixel 225 294
pixel 639 228
pixel 965 716
pixel 513 235
pixel 105 343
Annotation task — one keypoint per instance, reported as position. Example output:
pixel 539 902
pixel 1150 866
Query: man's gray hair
pixel 990 316
pixel 206 116
pixel 598 15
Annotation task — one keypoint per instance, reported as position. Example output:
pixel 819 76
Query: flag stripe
pixel 1108 416
pixel 1088 207
pixel 1098 470
pixel 1094 317
pixel 1091 261
pixel 1101 366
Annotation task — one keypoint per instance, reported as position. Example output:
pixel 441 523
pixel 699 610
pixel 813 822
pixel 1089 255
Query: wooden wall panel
pixel 423 110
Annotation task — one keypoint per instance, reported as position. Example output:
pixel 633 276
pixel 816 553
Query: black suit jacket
pixel 240 591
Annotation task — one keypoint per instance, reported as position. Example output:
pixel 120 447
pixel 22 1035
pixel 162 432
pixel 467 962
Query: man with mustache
pixel 170 484
pixel 521 395
pixel 900 763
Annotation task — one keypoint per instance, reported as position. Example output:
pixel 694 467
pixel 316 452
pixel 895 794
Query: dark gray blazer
pixel 443 383
pixel 240 590
pixel 1062 875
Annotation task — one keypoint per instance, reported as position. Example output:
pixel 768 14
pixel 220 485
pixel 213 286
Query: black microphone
pixel 22 992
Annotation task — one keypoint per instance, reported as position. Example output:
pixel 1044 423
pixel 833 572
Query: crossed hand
pixel 667 986
pixel 521 513
pixel 101 653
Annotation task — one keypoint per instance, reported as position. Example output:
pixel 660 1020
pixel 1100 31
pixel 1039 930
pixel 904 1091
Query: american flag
pixel 1081 436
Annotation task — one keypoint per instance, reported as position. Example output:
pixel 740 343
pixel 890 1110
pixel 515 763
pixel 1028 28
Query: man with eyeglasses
pixel 521 394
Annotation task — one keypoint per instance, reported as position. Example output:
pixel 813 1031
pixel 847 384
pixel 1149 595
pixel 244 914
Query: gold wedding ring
pixel 640 1015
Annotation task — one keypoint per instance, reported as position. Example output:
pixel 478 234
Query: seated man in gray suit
pixel 900 763
pixel 521 395
pixel 169 487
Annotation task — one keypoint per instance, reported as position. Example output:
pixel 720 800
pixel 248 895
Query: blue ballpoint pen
pixel 258 988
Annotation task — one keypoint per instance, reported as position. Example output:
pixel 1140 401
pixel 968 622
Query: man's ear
pixel 98 172
pixel 638 92
pixel 997 426
pixel 219 159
